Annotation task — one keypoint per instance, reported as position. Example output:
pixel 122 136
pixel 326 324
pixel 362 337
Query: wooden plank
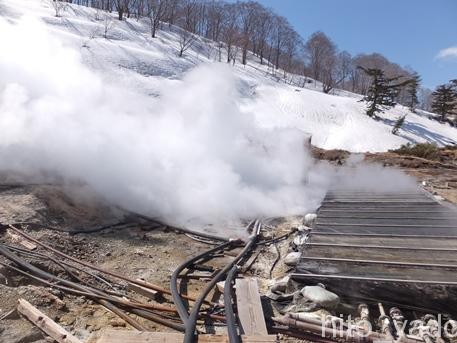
pixel 123 336
pixel 20 240
pixel 146 292
pixel 249 307
pixel 45 323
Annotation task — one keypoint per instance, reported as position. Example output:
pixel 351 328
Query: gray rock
pixel 320 296
pixel 292 258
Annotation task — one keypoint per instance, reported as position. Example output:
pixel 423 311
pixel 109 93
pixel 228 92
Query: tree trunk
pixel 245 55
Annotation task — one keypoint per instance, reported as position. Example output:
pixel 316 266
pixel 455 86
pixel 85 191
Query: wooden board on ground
pixel 124 336
pixel 45 323
pixel 15 238
pixel 146 292
pixel 249 307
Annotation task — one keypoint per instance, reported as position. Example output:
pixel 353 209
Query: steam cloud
pixel 190 154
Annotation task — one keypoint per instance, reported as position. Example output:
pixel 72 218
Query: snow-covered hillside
pixel 131 58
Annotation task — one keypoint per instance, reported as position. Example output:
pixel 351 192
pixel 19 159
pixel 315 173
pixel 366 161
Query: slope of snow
pixel 132 58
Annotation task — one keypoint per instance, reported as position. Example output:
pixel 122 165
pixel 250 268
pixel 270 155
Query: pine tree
pixel 398 124
pixel 444 100
pixel 411 90
pixel 382 91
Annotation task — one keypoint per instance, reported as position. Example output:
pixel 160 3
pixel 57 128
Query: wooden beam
pixel 146 292
pixel 19 240
pixel 249 306
pixel 124 336
pixel 46 324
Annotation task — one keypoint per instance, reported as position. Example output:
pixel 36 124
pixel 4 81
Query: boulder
pixel 320 296
pixel 292 258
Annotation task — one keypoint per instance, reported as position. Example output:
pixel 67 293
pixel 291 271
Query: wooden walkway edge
pixel 124 336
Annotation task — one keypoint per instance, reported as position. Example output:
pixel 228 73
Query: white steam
pixel 188 154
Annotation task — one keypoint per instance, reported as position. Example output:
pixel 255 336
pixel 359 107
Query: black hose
pixel 185 230
pixel 180 307
pixel 189 336
pixel 228 304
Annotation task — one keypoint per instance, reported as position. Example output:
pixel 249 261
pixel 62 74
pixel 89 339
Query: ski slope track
pixel 130 57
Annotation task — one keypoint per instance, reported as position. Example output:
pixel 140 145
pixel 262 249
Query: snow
pixel 131 58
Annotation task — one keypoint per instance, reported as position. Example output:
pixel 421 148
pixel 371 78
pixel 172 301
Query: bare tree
pixel 292 43
pixel 186 39
pixel 247 12
pixel 321 53
pixel 108 24
pixel 58 6
pixel 121 7
pixel 280 25
pixel 230 30
pixel 187 25
pixel 262 30
pixel 215 20
pixel 155 10
pixel 171 13
pixel 335 70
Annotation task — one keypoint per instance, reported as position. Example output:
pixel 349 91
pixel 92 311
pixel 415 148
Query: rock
pixel 320 296
pixel 220 286
pixel 292 258
pixel 303 228
pixel 280 285
pixel 309 219
pixel 300 240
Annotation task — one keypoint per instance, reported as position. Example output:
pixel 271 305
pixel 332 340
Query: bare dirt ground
pixel 139 251
pixel 437 175
pixel 136 252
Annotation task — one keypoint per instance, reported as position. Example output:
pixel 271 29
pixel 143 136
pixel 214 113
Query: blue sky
pixel 408 32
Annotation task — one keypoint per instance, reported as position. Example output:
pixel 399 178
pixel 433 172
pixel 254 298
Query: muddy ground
pixel 139 251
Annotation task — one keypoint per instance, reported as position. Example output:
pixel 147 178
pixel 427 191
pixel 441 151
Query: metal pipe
pixel 395 263
pixel 361 278
pixel 398 320
pixel 324 331
pixel 359 210
pixel 157 319
pixel 391 225
pixel 63 265
pixel 384 321
pixel 380 235
pixel 385 218
pixel 377 247
pixel 22 263
pixel 119 276
pixel 120 301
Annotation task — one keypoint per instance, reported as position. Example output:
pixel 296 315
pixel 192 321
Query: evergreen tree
pixel 398 124
pixel 411 90
pixel 382 91
pixel 444 100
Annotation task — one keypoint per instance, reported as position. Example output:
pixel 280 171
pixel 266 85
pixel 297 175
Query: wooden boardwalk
pixel 399 248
